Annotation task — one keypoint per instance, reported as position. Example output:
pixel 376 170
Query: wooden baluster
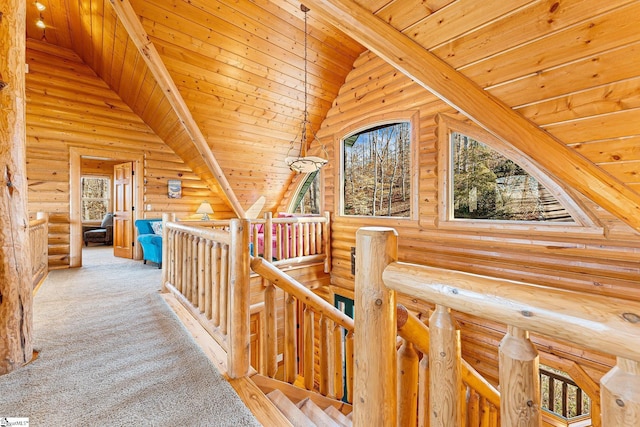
pixel 254 237
pixel 312 239
pixel 519 380
pixel 473 409
pixel 224 289
pixel 407 385
pixel 271 327
pixel 324 353
pixel 493 419
pixel 349 360
pixel 286 229
pixel 171 247
pixel 290 342
pixel 300 239
pixel 423 391
pixel 193 296
pixel 620 394
pixel 278 254
pixel 184 248
pixel 444 369
pixel 309 356
pixel 239 355
pixel 268 237
pixel 306 238
pixel 326 243
pixel 375 322
pixel 338 362
pixel 216 261
pixel 208 279
pixel 202 243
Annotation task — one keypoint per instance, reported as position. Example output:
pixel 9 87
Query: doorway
pixel 132 196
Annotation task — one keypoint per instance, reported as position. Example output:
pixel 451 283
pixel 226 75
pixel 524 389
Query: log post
pixel 290 343
pixel 620 394
pixel 375 325
pixel 445 378
pixel 239 358
pixel 16 299
pixel 519 380
pixel 167 250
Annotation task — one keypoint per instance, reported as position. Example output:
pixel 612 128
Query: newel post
pixel 519 380
pixel 239 355
pixel 620 394
pixel 167 249
pixel 375 380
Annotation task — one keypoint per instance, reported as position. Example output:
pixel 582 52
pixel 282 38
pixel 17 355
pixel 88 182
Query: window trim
pixel 411 117
pixel 583 220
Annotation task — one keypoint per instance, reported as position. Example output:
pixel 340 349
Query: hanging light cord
pixel 303 146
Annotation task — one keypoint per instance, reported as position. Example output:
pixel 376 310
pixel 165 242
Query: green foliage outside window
pixel 487 185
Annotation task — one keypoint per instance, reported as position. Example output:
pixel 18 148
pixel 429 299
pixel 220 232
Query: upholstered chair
pixel 102 234
pixel 150 238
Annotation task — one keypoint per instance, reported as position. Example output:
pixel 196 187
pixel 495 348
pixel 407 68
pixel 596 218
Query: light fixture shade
pixel 205 209
pixel 305 164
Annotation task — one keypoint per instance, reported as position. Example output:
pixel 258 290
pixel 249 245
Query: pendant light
pixel 303 163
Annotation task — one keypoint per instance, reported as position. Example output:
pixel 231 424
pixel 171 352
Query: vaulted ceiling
pixel 568 66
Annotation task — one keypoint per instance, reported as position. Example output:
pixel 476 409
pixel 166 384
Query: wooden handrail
pixel 39 243
pixel 593 321
pixel 413 330
pixel 298 290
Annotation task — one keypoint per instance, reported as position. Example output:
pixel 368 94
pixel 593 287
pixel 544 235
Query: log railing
pixel 591 321
pixel 294 239
pixel 206 267
pixel 482 405
pixel 39 244
pixel 334 366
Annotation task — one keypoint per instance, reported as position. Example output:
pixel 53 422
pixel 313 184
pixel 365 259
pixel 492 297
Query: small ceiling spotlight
pixel 40 6
pixel 40 24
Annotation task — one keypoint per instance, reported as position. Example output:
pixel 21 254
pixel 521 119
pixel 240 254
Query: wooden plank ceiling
pixel 570 66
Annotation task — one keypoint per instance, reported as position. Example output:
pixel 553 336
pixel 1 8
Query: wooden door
pixel 123 210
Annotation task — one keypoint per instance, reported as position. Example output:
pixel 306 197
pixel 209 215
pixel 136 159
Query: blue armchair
pixel 150 238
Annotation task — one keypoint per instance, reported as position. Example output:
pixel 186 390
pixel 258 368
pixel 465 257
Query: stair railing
pixel 294 239
pixel 39 244
pixel 327 373
pixel 482 402
pixel 206 268
pixel 591 321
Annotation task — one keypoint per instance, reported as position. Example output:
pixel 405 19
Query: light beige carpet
pixel 112 353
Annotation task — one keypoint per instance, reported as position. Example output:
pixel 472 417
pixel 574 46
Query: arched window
pixel 307 199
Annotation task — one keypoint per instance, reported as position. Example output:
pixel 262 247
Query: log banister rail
pixel 594 322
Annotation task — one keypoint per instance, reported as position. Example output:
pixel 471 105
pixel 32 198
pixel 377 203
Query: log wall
pixel 69 106
pixel 601 263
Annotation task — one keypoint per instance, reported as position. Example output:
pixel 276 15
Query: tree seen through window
pixel 377 171
pixel 487 185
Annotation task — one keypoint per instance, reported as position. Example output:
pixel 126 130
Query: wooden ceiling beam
pixel 463 94
pixel 138 35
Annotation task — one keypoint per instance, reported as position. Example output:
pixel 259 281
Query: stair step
pixel 316 414
pixel 338 416
pixel 289 409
